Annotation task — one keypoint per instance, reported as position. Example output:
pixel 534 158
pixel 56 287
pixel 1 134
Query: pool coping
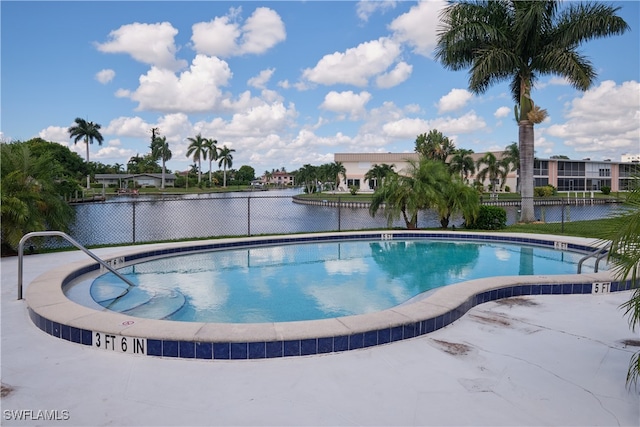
pixel 52 312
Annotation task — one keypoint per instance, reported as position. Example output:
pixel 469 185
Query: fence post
pixel 249 216
pixel 562 222
pixel 134 221
pixel 339 211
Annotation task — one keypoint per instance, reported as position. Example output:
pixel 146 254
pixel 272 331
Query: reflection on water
pixel 311 281
pixel 126 219
pixel 425 265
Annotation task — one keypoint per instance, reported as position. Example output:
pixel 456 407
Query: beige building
pixel 564 174
pixel 358 164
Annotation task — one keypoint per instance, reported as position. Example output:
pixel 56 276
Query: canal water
pixel 127 219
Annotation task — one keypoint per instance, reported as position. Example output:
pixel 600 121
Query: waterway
pixel 127 219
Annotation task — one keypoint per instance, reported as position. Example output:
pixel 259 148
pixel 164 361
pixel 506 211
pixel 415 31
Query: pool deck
pixel 530 360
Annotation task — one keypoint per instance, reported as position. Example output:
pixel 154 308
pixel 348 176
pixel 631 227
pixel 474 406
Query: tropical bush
pixel 605 190
pixel 545 191
pixel 31 199
pixel 489 218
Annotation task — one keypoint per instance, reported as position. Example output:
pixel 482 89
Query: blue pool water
pixel 312 281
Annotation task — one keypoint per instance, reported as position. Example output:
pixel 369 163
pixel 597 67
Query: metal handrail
pixel 70 240
pixel 598 254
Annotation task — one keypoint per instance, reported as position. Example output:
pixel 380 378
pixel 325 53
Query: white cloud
pixel 151 44
pixel 261 79
pixel 194 90
pixel 553 81
pixel 260 120
pixel 56 134
pixel 356 65
pixel 224 36
pixel 409 128
pixel 128 126
pixel 469 123
pixel 399 74
pixel 346 102
pixel 262 30
pixel 112 150
pixel 405 128
pixel 105 76
pixel 502 112
pixel 605 118
pixel 454 100
pixel 217 37
pixel 418 26
pixel 366 8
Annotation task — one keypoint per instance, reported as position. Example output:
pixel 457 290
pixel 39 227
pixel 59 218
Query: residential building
pixel 120 180
pixel 630 158
pixel 564 174
pixel 279 179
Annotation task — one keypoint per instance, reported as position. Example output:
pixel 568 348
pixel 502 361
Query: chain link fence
pixel 152 218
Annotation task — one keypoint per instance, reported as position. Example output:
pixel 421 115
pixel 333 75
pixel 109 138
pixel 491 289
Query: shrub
pixel 545 191
pixel 489 218
pixel 353 190
pixel 507 189
pixel 605 189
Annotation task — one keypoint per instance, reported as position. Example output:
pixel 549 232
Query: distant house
pixel 280 178
pixel 120 180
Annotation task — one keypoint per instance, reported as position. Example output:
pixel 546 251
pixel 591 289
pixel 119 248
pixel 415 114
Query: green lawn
pixel 596 228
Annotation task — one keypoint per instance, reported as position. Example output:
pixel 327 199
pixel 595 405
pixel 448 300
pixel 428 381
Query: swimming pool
pixel 310 281
pixel 54 313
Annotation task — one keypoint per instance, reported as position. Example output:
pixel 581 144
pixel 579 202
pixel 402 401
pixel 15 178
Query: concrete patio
pixel 535 360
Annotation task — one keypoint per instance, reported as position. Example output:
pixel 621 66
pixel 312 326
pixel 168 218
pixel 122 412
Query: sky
pixel 286 83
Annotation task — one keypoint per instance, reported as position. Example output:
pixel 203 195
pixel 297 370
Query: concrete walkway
pixel 529 361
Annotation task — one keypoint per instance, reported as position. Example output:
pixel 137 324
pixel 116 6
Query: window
pixel 541 167
pixel 571 184
pixel 353 183
pixel 604 172
pixel 541 182
pixel 629 170
pixel 570 169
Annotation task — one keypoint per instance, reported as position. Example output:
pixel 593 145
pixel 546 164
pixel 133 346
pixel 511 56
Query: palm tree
pixel 624 255
pixel 462 163
pixel 378 173
pixel 87 131
pixel 511 156
pixel 434 146
pixel 496 170
pixel 455 196
pixel 160 150
pixel 29 200
pixel 338 170
pixel 520 41
pixel 225 160
pixel 308 175
pixel 197 149
pixel 211 152
pixel 418 188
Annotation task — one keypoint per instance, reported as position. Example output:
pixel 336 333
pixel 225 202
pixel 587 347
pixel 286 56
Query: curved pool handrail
pixel 599 253
pixel 70 240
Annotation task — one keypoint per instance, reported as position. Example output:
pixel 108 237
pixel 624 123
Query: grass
pixel 595 228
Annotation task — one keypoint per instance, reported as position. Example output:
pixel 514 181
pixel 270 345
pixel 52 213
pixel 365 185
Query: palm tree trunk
pixel 163 171
pixel 526 137
pixel 86 141
pixel 224 172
